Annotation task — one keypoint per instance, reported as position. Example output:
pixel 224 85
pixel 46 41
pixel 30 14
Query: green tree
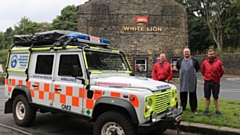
pixel 67 20
pixel 26 26
pixel 213 13
pixel 45 26
pixel 3 56
pixel 2 40
pixel 232 24
pixel 199 35
pixel 8 34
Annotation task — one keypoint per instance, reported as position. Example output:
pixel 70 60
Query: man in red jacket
pixel 212 70
pixel 162 70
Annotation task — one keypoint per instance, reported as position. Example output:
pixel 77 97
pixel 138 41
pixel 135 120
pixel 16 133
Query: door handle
pixel 58 89
pixel 35 86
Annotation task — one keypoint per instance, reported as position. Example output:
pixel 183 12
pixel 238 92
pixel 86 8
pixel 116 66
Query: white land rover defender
pixel 79 75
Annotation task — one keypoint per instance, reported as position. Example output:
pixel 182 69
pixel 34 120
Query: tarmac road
pixel 229 87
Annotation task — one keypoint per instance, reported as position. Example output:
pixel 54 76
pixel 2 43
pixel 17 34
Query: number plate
pixel 177 112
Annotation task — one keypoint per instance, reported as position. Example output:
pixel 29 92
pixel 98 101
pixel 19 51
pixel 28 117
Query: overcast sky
pixel 11 11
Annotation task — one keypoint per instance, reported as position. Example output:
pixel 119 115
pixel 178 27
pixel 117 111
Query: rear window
pixel 44 64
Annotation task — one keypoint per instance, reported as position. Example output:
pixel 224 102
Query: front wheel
pixel 23 114
pixel 113 123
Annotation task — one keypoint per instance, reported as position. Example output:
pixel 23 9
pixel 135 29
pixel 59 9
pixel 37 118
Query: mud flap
pixel 8 106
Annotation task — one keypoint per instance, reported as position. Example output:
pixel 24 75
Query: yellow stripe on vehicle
pixel 128 72
pixel 128 63
pixel 96 72
pixel 29 53
pixel 57 48
pixel 115 51
pixel 41 49
pixel 7 58
pixel 72 47
pixel 85 60
pixel 20 49
pixel 95 48
pixel 14 70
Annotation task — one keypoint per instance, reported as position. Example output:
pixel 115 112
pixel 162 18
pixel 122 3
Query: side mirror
pixel 90 94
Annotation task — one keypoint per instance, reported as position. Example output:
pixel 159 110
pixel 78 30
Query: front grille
pixel 162 101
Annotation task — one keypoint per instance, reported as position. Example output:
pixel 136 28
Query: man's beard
pixel 211 58
pixel 187 56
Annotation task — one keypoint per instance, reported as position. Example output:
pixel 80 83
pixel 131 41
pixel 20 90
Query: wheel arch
pixel 22 89
pixel 104 104
pixel 19 89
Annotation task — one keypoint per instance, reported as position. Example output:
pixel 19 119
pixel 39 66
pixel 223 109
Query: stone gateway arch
pixel 141 28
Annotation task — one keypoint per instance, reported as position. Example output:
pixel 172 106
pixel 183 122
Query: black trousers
pixel 192 100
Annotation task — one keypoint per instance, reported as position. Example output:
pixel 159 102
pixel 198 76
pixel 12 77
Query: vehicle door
pixel 41 70
pixel 68 91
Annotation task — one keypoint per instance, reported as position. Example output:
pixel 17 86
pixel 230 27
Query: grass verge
pixel 230 110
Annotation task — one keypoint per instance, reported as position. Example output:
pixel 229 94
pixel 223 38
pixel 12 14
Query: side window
pixel 44 64
pixel 66 63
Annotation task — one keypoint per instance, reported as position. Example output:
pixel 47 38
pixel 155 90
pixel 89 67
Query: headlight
pixel 173 94
pixel 149 103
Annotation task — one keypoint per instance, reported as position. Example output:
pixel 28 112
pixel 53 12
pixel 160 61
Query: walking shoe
pixel 195 112
pixel 205 112
pixel 218 113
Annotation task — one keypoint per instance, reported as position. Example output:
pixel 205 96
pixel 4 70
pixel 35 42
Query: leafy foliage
pixel 26 26
pixel 232 24
pixel 199 36
pixel 3 56
pixel 67 20
pixel 219 21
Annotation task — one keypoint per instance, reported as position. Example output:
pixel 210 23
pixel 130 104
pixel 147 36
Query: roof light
pixel 106 41
pixel 88 38
pixel 78 35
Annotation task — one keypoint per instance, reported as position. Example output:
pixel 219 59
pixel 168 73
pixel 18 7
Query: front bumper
pixel 164 122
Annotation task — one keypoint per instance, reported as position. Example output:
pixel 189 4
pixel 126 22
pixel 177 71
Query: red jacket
pixel 162 72
pixel 212 72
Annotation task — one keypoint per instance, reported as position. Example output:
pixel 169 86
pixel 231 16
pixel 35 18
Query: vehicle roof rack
pixel 59 38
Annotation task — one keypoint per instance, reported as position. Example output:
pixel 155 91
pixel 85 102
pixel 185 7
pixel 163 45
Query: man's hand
pixel 174 69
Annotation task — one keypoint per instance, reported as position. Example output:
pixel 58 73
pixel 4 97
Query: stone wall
pixel 166 30
pixel 231 63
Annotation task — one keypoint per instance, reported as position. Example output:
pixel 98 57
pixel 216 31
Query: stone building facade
pixel 142 29
pixel 230 62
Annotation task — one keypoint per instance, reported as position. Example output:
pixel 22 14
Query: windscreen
pixel 105 61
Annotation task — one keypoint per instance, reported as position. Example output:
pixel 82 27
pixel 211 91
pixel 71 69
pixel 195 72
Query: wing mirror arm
pixel 76 73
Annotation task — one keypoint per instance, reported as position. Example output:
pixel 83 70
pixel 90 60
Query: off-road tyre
pixel 113 121
pixel 23 114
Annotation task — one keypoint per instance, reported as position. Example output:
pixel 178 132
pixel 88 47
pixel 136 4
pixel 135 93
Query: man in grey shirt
pixel 188 66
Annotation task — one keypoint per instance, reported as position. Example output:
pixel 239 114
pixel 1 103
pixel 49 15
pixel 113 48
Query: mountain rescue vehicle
pixel 80 75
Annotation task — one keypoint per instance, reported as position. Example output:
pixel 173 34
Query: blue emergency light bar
pixel 78 35
pixel 89 39
pixel 106 41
